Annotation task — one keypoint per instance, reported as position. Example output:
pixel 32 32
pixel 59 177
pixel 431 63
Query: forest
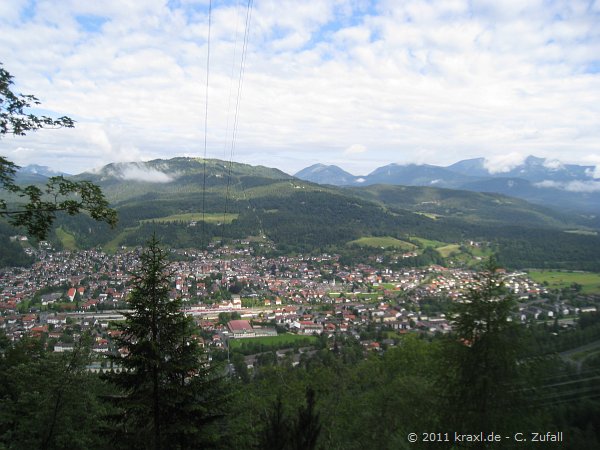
pixel 317 222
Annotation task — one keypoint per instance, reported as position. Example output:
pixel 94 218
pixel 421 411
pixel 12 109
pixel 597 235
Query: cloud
pixel 553 164
pixel 595 172
pixel 434 81
pixel 503 163
pixel 141 172
pixel 149 175
pixel 571 186
pixel 594 160
pixel 355 149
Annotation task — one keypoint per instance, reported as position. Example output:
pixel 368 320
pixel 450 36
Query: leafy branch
pixel 59 194
pixel 14 119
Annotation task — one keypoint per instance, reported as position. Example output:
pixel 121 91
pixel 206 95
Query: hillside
pixel 189 203
pixel 124 181
pixel 472 207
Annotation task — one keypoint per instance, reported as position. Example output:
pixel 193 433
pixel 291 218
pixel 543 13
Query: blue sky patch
pixel 91 23
pixel 593 67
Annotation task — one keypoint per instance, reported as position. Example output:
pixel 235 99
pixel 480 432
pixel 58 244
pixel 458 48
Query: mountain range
pixel 568 187
pixel 34 173
pixel 190 202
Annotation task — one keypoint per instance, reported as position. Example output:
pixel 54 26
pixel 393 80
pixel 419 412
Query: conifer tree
pixel 169 389
pixel 296 433
pixel 482 378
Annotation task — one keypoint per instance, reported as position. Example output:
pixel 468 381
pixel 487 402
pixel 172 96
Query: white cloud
pixel 503 163
pixel 594 160
pixel 553 164
pixel 355 149
pixel 138 173
pixel 411 81
pixel 571 186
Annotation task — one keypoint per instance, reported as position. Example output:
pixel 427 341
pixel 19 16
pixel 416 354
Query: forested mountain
pixel 322 174
pixel 190 202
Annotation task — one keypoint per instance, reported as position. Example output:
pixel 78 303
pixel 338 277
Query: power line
pixel 203 233
pixel 231 76
pixel 249 6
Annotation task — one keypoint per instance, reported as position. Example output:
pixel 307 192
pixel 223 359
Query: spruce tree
pixel 482 379
pixel 169 389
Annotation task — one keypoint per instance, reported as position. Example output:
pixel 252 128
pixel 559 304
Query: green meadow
pixel 66 239
pixel 589 281
pixel 385 242
pixel 195 217
pixel 273 341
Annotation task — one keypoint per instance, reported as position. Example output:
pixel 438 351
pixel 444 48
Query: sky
pixel 357 83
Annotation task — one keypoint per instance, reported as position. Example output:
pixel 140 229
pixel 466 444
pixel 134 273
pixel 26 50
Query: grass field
pixel 482 252
pixel 66 239
pixel 111 246
pixel 446 250
pixel 195 217
pixel 583 232
pixel 276 341
pixel 429 243
pixel 560 280
pixel 385 242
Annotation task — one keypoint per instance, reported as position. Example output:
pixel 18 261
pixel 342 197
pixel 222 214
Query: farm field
pixel 66 239
pixel 383 242
pixel 194 217
pixel 428 242
pixel 589 281
pixel 447 250
pixel 275 341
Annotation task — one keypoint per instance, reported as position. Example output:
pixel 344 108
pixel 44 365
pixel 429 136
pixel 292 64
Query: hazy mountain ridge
pixel 34 173
pixel 322 174
pixel 542 181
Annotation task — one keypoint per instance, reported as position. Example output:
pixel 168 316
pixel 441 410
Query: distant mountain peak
pixel 544 181
pixel 44 171
pixel 324 174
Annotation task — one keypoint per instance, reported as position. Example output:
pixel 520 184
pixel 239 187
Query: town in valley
pixel 234 294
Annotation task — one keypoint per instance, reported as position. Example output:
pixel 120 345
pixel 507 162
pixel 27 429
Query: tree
pixel 49 400
pixel 170 391
pixel 14 119
pixel 275 435
pixel 292 433
pixel 482 378
pixel 307 426
pixel 59 194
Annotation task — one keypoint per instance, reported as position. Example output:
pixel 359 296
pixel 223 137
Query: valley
pixel 239 201
pixel 359 281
